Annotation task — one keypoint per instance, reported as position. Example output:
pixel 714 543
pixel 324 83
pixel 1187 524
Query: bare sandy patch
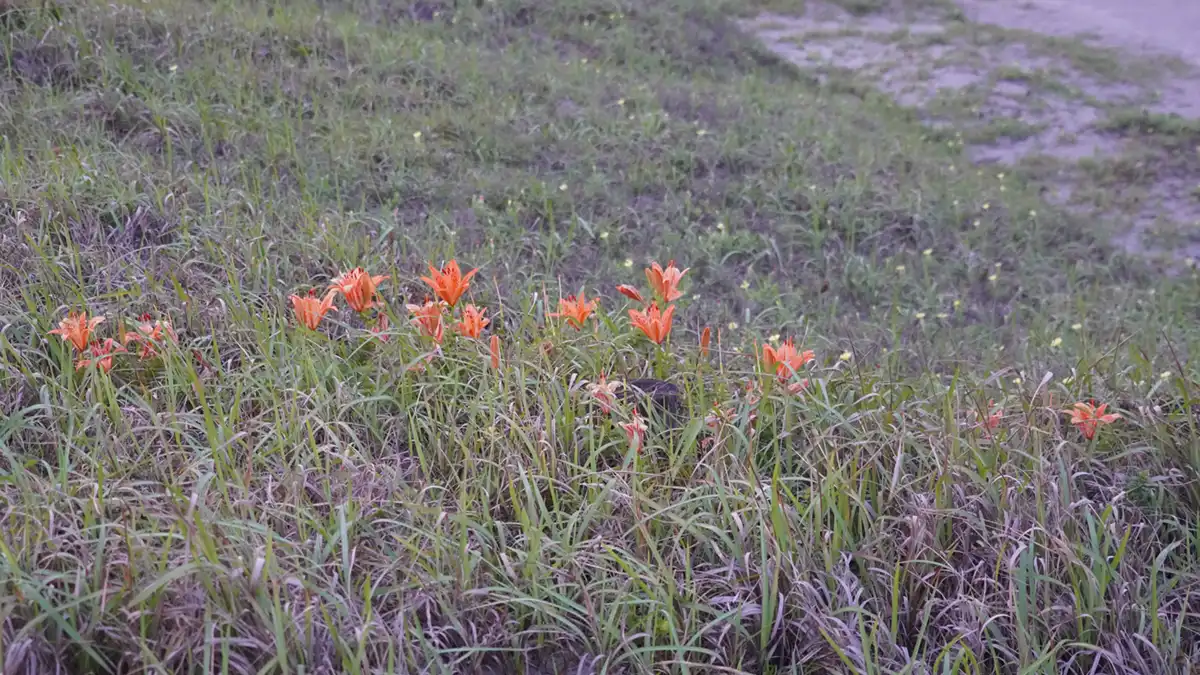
pixel 1016 96
pixel 1166 28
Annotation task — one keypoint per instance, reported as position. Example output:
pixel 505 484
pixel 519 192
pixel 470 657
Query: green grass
pixel 263 499
pixel 1182 130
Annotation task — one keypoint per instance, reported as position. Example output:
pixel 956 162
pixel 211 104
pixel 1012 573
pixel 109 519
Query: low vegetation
pixel 367 398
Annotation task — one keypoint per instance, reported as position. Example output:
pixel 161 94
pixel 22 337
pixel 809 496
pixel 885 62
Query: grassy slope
pixel 310 501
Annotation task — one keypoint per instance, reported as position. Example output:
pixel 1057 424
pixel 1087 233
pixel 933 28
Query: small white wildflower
pixel 1056 342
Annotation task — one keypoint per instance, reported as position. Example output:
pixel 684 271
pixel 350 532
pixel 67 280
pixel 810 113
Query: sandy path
pixel 1143 27
pixel 1015 97
pixel 1168 26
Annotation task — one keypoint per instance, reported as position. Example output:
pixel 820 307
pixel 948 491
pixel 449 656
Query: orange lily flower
pixel 785 358
pixel 798 387
pixel 428 318
pixel 1089 417
pixel 656 325
pixel 993 417
pixel 494 348
pixel 472 323
pixel 358 287
pixel 148 335
pixel 705 339
pixel 635 429
pixel 101 354
pixel 449 283
pixel 631 293
pixel 665 282
pixel 576 310
pixel 77 329
pixel 310 310
pixel 604 392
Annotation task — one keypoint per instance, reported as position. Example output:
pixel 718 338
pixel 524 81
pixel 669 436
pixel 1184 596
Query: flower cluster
pixel 779 360
pixel 1088 418
pixel 449 284
pixel 787 361
pixel 655 323
pixel 605 394
pixel 148 336
pixel 360 290
pixel 575 310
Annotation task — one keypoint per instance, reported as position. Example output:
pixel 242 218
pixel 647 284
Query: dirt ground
pixel 1140 28
pixel 1166 26
pixel 1097 99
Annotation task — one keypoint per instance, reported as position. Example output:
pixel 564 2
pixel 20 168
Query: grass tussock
pixel 529 470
